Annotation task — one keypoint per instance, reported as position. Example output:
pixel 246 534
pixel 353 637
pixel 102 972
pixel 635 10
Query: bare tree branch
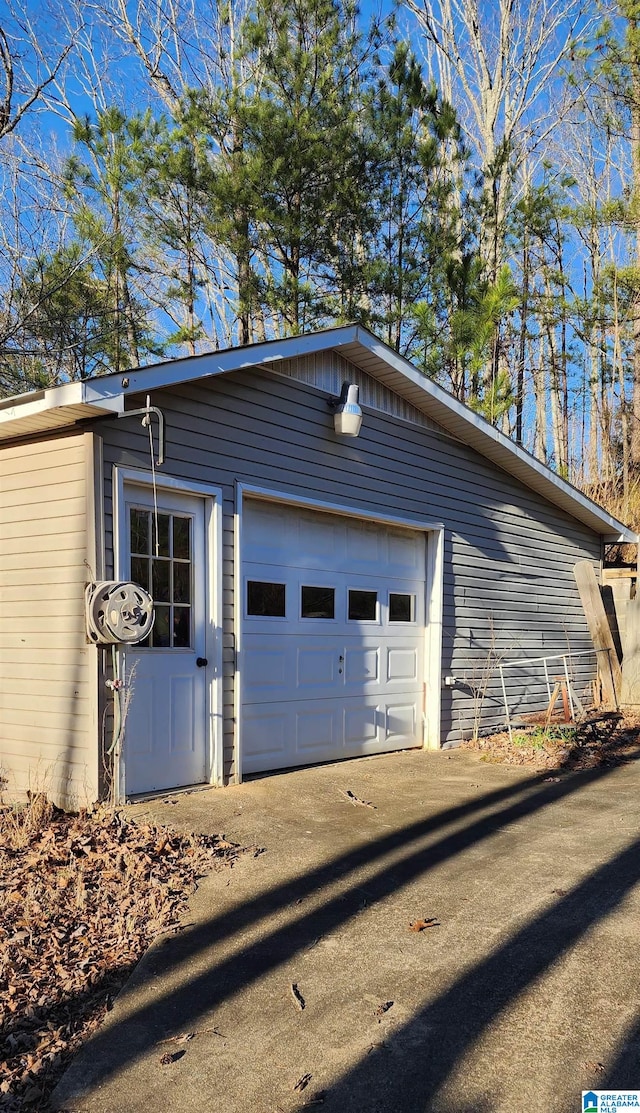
pixel 13 108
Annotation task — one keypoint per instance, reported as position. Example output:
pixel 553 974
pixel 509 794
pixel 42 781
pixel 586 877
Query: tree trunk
pixel 524 309
pixel 635 305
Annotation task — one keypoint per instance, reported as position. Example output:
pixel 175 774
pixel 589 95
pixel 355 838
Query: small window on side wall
pixel 266 600
pixel 402 608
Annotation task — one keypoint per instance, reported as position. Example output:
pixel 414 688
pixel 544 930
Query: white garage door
pixel 333 637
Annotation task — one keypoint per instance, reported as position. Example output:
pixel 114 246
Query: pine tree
pixel 408 130
pixel 291 190
pixel 103 180
pixel 175 177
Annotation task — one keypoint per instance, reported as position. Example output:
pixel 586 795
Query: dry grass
pixel 81 898
pixel 625 506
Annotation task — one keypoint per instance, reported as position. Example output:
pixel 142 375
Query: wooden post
pixel 631 662
pixel 552 703
pixel 608 664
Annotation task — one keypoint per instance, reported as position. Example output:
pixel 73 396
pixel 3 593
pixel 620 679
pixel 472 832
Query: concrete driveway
pixel 526 993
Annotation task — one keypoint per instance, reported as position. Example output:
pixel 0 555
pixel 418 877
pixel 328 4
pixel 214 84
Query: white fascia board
pixel 26 406
pixel 57 397
pixel 107 393
pixel 57 408
pixel 174 372
pixel 478 433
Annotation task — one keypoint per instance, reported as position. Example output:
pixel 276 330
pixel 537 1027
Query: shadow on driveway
pixel 227 957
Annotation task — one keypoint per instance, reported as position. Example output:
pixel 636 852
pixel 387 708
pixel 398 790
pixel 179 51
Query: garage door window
pixel 317 602
pixel 363 606
pixel 266 600
pixel 402 608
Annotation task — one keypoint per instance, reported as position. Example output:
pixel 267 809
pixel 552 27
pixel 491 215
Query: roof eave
pixel 71 402
pixel 56 408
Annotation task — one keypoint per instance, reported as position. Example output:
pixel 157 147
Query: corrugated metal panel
pixel 48 735
pixel 509 554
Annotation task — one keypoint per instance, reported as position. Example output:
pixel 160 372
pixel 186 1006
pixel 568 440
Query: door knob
pixel 201 662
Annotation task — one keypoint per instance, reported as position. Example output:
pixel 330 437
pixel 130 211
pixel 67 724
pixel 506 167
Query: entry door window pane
pixel 161 589
pixel 140 532
pixel 140 571
pixel 181 581
pixel 363 606
pixel 164 535
pixel 318 602
pixel 165 571
pixel 402 608
pixel 181 627
pixel 265 600
pixel 181 538
pixel 161 633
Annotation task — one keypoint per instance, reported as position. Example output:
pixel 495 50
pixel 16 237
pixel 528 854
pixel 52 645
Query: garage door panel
pixel 400 721
pixel 285 735
pixel 268 534
pixel 364 546
pixel 325 668
pixel 405 555
pixel 265 669
pixel 317 730
pixel 335 670
pixel 402 664
pixel 318 542
pixel 265 733
pixel 317 667
pixel 362 665
pixel 362 724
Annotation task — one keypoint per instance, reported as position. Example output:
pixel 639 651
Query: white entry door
pixel 333 637
pixel 166 727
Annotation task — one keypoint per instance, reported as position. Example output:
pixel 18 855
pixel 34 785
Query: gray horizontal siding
pixel 509 555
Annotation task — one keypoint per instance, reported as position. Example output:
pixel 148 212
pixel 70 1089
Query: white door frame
pixel 212 501
pixel 434 580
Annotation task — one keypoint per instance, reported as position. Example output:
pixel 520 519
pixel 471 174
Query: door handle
pixel 201 662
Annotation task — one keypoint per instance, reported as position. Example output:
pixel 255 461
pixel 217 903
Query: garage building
pixel 317 596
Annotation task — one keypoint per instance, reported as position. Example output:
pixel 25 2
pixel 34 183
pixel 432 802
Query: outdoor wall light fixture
pixel 347 415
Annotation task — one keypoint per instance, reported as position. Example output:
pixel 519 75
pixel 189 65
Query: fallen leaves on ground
pixel 303 1082
pixel 81 899
pixel 298 999
pixel 353 799
pixel 420 925
pixel 171 1057
pixel 383 1008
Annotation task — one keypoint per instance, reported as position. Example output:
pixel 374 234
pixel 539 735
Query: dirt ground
pixel 81 899
pixel 609 738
